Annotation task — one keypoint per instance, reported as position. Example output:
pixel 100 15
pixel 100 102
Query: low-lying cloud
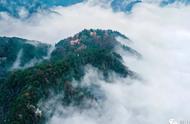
pixel 161 35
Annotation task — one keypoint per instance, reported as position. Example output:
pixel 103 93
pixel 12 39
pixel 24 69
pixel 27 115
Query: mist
pixel 160 35
pixel 17 62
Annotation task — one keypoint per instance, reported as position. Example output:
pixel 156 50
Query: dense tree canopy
pixel 22 89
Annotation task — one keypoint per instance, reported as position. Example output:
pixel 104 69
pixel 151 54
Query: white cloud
pixel 161 35
pixel 17 62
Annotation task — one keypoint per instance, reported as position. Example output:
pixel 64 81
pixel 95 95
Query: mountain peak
pixel 94 48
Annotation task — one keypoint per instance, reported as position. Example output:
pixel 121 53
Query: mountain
pixel 18 53
pixel 168 2
pixel 124 5
pixel 25 8
pixel 127 5
pixel 22 89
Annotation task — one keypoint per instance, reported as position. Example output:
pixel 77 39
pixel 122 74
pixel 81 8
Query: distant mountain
pixel 25 8
pixel 124 5
pixel 127 5
pixel 23 89
pixel 167 2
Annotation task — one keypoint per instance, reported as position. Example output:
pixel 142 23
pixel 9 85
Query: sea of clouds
pixel 160 35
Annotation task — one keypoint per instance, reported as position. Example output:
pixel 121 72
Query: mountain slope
pixel 127 5
pixel 23 89
pixel 124 5
pixel 25 8
pixel 20 53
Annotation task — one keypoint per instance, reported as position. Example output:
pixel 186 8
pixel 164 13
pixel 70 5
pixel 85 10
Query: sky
pixel 160 34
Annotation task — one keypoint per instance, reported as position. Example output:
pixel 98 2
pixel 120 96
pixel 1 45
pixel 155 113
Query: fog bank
pixel 161 35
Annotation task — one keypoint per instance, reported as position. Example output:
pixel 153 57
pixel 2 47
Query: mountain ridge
pixel 25 9
pixel 23 89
